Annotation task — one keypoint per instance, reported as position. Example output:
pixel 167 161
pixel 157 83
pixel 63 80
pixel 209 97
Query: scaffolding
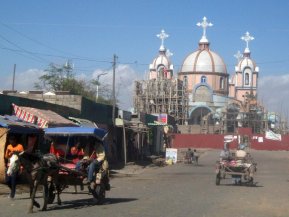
pixel 162 96
pixel 250 115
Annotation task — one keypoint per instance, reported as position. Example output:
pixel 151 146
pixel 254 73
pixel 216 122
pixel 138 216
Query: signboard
pixel 273 136
pixel 119 122
pixel 172 154
pixel 228 138
pixel 163 118
pixel 260 139
pixel 125 115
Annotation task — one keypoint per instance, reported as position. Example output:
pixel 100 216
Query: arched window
pixel 246 78
pixel 222 83
pixel 185 81
pixel 161 71
pixel 203 79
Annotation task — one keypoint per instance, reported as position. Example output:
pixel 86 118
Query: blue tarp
pixel 76 131
pixel 17 126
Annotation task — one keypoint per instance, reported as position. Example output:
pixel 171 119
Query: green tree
pixel 61 78
pixel 55 77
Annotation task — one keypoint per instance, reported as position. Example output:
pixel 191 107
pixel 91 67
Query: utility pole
pixel 113 89
pixel 13 82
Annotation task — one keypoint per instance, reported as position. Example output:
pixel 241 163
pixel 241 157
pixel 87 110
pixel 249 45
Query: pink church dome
pixel 161 59
pixel 203 60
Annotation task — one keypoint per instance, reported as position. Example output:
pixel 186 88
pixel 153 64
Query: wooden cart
pixel 242 171
pixel 63 139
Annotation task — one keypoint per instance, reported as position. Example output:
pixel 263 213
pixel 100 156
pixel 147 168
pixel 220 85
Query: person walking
pixel 11 179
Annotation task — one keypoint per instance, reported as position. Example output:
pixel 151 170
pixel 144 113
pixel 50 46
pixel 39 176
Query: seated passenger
pixel 77 155
pixel 56 151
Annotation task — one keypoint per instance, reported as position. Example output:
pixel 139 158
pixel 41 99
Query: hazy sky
pixel 34 33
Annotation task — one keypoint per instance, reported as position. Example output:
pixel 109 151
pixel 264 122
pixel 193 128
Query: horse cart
pixel 55 167
pixel 241 170
pixel 73 169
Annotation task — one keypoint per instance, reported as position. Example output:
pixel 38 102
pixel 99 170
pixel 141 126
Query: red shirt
pixel 77 154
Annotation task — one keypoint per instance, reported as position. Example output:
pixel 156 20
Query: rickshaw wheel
pixel 251 182
pixel 99 194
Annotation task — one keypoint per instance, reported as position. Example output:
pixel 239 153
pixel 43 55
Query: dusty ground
pixel 178 190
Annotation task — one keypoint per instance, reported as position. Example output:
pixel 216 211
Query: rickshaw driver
pixel 241 153
pixel 99 161
pixel 225 153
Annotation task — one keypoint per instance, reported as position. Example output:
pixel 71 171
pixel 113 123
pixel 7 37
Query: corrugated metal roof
pixel 51 117
pixel 17 126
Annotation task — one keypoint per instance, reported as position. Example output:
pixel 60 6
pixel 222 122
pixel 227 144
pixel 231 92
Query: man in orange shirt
pixel 12 148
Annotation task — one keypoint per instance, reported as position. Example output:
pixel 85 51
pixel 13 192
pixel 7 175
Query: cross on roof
pixel 247 38
pixel 238 55
pixel 162 36
pixel 204 25
pixel 169 53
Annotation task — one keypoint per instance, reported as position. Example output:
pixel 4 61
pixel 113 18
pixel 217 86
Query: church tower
pixel 161 67
pixel 246 74
pixel 205 78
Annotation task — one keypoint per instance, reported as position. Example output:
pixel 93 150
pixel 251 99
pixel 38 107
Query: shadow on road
pixel 84 203
pixel 243 185
pixel 118 200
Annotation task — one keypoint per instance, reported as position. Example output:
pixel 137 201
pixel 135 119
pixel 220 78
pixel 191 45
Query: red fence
pixel 216 141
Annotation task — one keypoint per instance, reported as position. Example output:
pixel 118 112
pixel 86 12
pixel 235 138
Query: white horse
pixel 14 165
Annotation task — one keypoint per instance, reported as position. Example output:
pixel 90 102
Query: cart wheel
pixel 99 194
pixel 45 197
pixel 218 179
pixel 251 182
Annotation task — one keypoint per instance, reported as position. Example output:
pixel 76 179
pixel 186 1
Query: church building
pixel 209 92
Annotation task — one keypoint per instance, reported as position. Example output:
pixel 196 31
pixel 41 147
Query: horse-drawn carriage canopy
pixel 76 131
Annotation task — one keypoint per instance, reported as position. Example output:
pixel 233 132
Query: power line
pixel 44 45
pixel 29 38
pixel 22 49
pixel 24 55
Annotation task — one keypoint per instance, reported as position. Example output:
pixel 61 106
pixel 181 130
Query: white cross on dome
pixel 162 36
pixel 204 25
pixel 247 38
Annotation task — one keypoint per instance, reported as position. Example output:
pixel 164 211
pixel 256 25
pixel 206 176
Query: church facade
pixel 210 91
